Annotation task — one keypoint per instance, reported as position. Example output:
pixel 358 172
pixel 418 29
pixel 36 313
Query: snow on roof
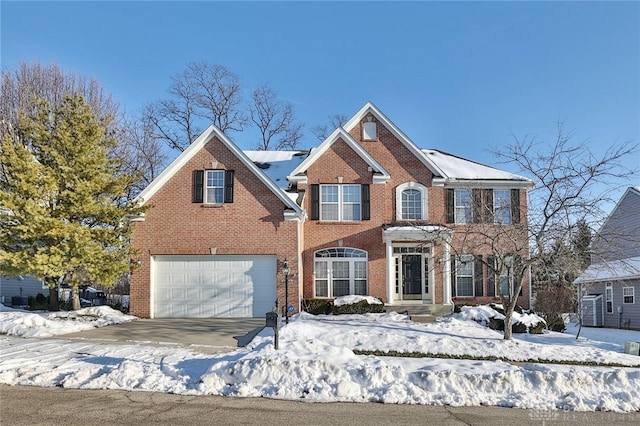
pixel 624 269
pixel 458 168
pixel 277 164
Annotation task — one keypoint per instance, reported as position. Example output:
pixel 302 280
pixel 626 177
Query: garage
pixel 213 286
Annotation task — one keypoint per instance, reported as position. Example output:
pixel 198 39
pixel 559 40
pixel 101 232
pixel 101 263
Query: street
pixel 29 405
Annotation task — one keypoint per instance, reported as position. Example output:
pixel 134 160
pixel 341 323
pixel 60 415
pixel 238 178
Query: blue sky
pixel 455 76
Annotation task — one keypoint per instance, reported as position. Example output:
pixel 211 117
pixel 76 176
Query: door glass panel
pixel 340 278
pixel 412 276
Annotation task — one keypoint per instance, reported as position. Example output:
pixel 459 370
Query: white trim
pixel 298 174
pixel 416 233
pixel 482 183
pixel 194 148
pixel 423 199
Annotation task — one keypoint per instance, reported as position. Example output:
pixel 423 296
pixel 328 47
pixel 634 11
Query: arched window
pixel 411 201
pixel 340 271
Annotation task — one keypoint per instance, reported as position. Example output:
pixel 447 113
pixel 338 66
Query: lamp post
pixel 285 272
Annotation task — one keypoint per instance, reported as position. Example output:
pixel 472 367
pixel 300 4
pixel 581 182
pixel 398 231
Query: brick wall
pixel 252 224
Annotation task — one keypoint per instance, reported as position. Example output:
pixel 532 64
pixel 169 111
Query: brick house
pixel 366 212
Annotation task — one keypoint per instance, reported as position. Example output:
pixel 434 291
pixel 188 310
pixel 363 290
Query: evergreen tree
pixel 63 208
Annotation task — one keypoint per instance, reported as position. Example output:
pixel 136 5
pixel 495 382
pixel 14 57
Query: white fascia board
pixel 194 148
pixel 404 139
pixel 297 175
pixel 175 165
pixel 483 183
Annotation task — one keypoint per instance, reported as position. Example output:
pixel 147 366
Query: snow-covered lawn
pixel 316 362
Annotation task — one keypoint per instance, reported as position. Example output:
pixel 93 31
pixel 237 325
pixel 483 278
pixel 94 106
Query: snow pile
pixel 319 360
pixel 353 299
pixel 482 314
pixel 22 323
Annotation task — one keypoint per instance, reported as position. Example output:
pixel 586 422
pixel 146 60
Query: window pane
pixel 329 212
pixel 411 204
pixel 340 288
pixel 329 193
pixel 628 295
pixel 322 288
pixel 464 286
pixel 322 282
pixel 340 269
pixel 361 287
pixel 351 193
pixel 502 206
pixel 215 186
pixel 464 276
pixel 340 272
pixel 351 202
pixel 463 206
pixel 351 212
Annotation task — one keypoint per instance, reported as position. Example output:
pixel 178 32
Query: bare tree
pixel 219 97
pixel 572 185
pixel 23 86
pixel 140 152
pixel 203 93
pixel 275 120
pixel 323 131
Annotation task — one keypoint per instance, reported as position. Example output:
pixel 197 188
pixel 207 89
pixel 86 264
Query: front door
pixel 412 277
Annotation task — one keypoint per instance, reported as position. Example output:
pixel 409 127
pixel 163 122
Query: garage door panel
pixel 213 286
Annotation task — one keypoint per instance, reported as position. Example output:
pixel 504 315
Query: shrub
pixel 326 307
pixel 362 307
pixel 553 301
pixel 317 306
pixel 38 303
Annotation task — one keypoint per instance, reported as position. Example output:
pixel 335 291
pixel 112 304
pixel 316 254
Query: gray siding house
pixel 615 266
pixel 16 290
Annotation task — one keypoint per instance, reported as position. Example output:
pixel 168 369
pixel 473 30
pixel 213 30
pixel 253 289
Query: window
pixel 608 295
pixel 411 201
pixel 483 205
pixel 212 186
pixel 340 202
pixel 628 295
pixel 369 131
pixel 215 187
pixel 340 271
pixel 462 206
pixel 464 276
pixel 502 206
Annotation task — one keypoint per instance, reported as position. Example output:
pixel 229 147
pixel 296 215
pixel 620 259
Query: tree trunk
pixel 75 298
pixel 507 324
pixel 54 303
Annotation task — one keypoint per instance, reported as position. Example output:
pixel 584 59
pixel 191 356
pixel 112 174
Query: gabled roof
pixel 380 175
pixel 615 270
pixel 631 191
pixel 194 148
pixel 370 108
pixel 455 168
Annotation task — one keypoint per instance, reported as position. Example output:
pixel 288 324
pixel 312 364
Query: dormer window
pixel 369 131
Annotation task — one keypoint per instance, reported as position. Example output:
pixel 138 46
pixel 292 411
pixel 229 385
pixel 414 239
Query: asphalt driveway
pixel 207 335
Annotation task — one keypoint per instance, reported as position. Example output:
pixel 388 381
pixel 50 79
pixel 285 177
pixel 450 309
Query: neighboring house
pixel 366 212
pixel 16 290
pixel 614 273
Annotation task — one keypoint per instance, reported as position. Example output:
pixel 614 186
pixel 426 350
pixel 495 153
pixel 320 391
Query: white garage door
pixel 213 286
